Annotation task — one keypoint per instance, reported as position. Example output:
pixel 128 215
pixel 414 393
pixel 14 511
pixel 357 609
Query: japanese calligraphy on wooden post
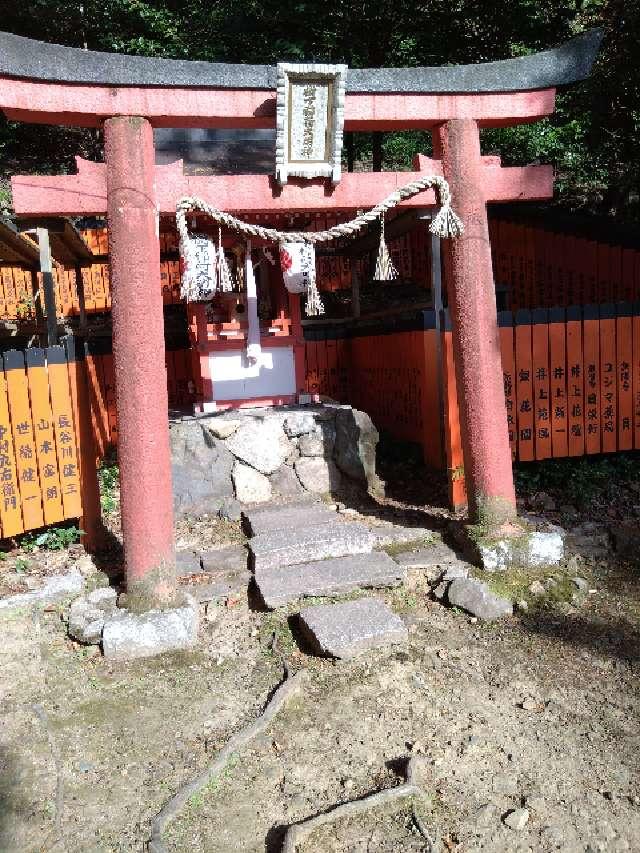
pixel 309 121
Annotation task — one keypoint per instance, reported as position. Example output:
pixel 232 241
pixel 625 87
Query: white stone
pixel 56 588
pixel 105 597
pixel 517 819
pixel 545 549
pixel 222 428
pixel 299 423
pixel 251 486
pixel 136 635
pixel 317 475
pixel 312 444
pixel 260 443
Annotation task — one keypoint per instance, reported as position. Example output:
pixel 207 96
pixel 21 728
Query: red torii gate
pixel 128 96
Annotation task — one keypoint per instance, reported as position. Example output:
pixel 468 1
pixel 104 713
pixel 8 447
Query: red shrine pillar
pixel 472 303
pixel 138 347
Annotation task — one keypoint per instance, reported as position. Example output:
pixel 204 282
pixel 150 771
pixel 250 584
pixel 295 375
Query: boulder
pixel 355 447
pixel 285 483
pixel 251 486
pixel 318 475
pixel 476 598
pixel 201 469
pixel 260 443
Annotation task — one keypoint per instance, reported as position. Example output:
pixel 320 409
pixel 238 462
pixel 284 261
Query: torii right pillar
pixel 476 346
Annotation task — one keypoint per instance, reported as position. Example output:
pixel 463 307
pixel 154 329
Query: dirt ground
pixel 541 710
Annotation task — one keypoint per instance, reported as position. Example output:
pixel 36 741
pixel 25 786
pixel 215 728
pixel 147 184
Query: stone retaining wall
pixel 252 456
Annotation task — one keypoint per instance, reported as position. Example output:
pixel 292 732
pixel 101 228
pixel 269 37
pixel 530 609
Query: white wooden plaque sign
pixel 309 121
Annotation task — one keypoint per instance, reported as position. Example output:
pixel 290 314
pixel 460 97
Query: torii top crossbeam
pixel 49 83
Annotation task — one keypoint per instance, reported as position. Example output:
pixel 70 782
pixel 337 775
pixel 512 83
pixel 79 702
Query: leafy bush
pixel 109 481
pixel 53 539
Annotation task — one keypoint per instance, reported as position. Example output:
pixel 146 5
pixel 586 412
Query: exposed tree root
pixel 282 695
pixel 297 833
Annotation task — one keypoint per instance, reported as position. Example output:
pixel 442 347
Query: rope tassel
pixel 385 270
pixel 446 223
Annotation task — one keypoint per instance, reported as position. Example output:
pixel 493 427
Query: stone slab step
pixel 288 547
pixel 350 628
pixel 336 576
pixel 233 558
pixel 286 517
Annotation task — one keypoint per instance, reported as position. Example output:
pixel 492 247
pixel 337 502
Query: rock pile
pixel 256 455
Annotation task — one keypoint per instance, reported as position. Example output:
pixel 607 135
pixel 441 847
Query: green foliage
pixel 109 482
pixel 592 140
pixel 579 481
pixel 22 565
pixel 52 539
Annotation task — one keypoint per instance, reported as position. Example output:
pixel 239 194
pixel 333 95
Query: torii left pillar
pixel 138 347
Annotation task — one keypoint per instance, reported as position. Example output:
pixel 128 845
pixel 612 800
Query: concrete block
pixel 136 635
pixel 350 628
pixel 322 541
pixel 337 576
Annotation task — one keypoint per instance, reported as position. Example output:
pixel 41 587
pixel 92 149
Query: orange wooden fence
pixel 538 266
pixel 47 461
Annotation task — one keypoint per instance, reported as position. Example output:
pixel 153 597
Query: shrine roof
pixel 25 58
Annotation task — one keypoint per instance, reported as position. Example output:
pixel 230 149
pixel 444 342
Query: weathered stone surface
pixel 251 486
pixel 626 539
pixel 433 556
pixel 55 588
pixel 291 517
pixel 222 427
pixel 355 447
pixel 299 423
pixel 337 576
pixel 229 585
pixel 230 559
pixel 187 563
pixel 201 469
pixel 476 598
pixel 540 548
pixel 261 443
pixel 105 598
pixel 230 509
pixel 288 547
pixel 312 444
pixel 352 627
pixel 455 570
pixel 284 482
pixel 132 635
pixel 87 615
pixel 396 534
pixel 517 819
pixel 318 475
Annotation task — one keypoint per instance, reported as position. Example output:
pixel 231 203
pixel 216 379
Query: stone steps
pixel 286 517
pixel 288 547
pixel 351 627
pixel 337 576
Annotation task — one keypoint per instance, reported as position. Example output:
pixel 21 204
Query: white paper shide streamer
pixel 254 350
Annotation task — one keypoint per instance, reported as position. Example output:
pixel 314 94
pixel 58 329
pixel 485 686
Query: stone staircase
pixel 307 549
